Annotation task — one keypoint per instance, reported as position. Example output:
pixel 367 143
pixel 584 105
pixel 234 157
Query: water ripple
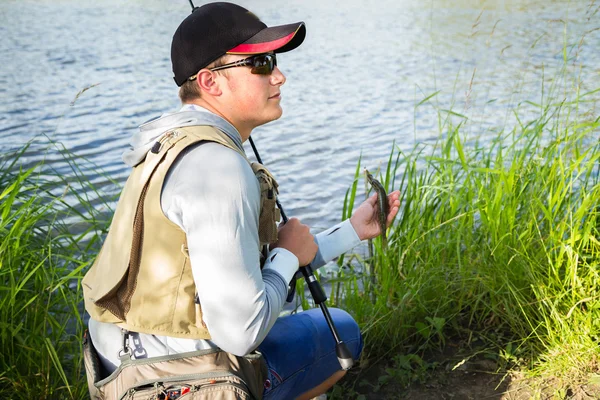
pixel 356 86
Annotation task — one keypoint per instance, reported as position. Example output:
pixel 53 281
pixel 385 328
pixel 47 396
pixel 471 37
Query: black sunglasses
pixel 262 64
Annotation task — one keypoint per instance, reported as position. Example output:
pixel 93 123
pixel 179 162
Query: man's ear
pixel 207 82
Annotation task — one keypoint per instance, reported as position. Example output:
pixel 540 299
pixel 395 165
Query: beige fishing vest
pixel 141 279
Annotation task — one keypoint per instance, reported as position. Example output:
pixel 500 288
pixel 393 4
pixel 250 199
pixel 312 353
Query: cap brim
pixel 277 38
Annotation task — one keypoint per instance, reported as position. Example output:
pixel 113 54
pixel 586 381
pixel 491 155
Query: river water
pixel 353 87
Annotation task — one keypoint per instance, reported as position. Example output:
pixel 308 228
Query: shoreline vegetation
pixel 497 245
pixel 496 248
pixel 42 261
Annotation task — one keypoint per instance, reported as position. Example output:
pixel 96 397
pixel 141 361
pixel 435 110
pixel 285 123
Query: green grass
pixel 496 246
pixel 499 243
pixel 495 243
pixel 42 260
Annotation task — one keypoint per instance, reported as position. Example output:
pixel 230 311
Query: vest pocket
pixel 203 374
pixel 267 228
pixel 228 387
pixel 269 213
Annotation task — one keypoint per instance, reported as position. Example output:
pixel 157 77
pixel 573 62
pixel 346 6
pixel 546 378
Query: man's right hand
pixel 294 236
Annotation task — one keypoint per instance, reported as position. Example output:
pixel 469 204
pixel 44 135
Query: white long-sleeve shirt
pixel 212 194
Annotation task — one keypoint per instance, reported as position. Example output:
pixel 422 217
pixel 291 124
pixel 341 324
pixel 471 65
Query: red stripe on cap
pixel 264 47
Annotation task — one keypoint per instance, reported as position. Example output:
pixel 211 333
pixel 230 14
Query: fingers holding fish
pixel 394 206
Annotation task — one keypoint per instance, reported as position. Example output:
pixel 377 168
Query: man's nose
pixel 277 77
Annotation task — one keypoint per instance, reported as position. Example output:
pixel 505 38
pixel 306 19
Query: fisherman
pixel 181 283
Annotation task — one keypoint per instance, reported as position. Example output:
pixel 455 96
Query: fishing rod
pixel 343 354
pixel 192 4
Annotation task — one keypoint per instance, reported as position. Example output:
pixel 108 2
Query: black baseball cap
pixel 216 29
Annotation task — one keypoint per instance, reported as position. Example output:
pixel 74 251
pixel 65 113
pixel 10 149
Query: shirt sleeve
pixel 335 241
pixel 213 195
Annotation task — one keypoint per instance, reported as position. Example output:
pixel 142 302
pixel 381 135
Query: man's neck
pixel 244 132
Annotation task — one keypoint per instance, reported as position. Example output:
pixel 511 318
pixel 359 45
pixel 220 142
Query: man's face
pixel 251 100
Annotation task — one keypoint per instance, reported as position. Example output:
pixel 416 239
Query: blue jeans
pixel 300 351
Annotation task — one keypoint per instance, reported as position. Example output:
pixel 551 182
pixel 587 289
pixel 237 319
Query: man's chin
pixel 273 117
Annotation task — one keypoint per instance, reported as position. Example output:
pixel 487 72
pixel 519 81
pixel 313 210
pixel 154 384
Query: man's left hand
pixel 364 219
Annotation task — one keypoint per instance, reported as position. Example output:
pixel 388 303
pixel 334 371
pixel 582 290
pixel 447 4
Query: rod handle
pixel 314 286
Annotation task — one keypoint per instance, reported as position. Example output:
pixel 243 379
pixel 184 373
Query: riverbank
pixel 491 267
pixel 453 378
pixel 495 252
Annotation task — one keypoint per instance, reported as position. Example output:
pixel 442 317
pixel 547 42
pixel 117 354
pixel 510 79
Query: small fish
pixel 382 207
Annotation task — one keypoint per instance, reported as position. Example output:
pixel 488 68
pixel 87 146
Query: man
pixel 181 269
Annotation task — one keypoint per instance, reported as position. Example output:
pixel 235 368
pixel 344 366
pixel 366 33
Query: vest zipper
pixel 165 389
pixel 206 386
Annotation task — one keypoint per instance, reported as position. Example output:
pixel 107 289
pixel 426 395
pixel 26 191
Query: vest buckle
pixel 125 352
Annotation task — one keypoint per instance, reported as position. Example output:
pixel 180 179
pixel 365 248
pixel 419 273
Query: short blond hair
pixel 190 91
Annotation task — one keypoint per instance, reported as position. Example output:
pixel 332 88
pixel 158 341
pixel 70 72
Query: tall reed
pixel 498 242
pixel 42 260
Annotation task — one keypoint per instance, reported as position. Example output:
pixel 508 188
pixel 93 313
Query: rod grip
pixel 314 286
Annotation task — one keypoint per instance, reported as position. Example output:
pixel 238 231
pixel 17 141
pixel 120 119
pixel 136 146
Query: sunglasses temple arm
pixel 239 63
